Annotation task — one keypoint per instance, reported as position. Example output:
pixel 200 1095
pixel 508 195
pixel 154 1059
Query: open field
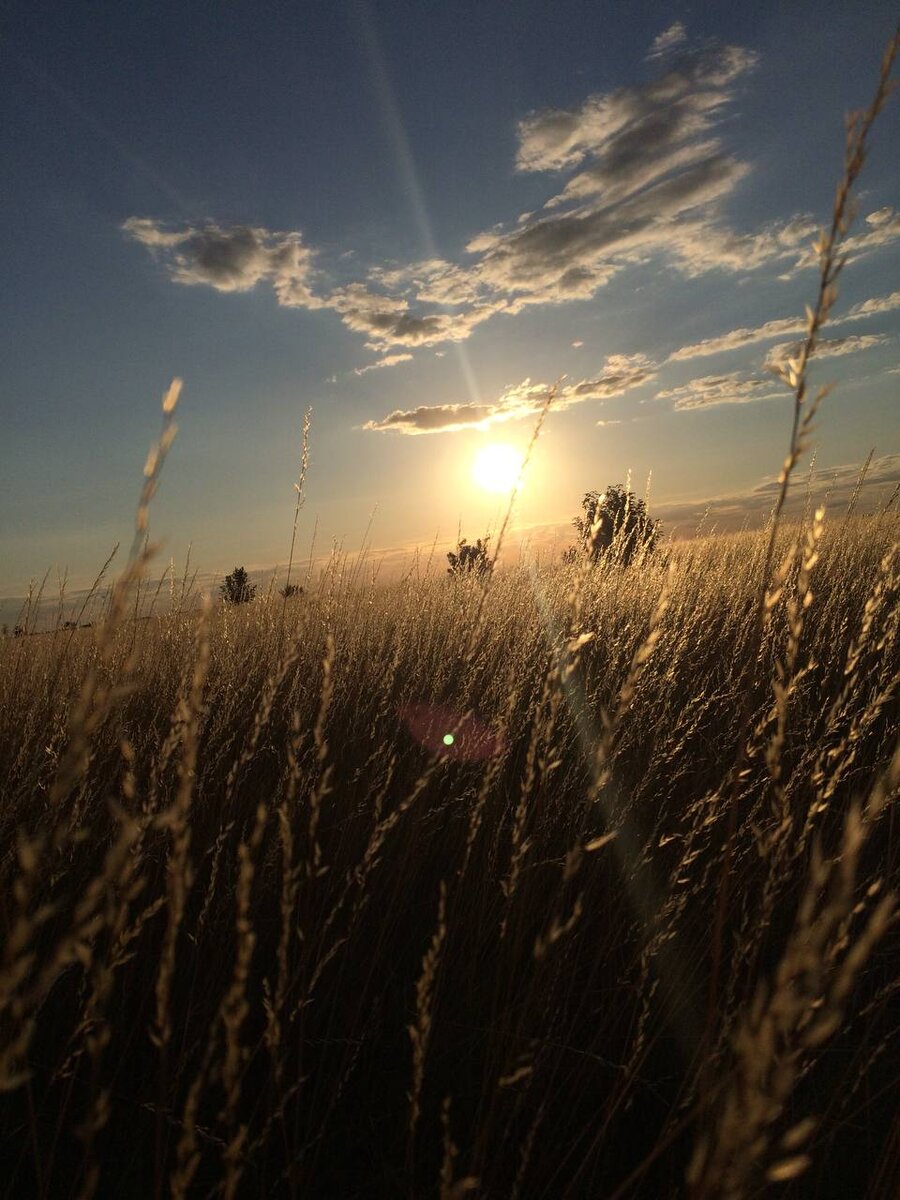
pixel 266 932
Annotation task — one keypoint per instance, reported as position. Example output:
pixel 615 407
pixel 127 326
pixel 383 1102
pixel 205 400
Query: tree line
pixel 613 524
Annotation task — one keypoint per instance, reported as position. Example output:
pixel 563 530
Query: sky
pixel 415 218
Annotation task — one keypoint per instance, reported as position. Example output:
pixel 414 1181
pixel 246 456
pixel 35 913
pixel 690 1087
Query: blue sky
pixel 414 217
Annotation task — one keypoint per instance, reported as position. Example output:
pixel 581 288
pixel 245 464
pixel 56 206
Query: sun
pixel 496 467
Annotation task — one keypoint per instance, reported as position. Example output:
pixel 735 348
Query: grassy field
pixel 266 932
pixel 574 880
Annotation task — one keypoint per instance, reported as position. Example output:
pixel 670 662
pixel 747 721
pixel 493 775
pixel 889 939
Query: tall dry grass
pixel 632 933
pixel 263 935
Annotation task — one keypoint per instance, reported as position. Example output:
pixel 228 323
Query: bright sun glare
pixel 497 467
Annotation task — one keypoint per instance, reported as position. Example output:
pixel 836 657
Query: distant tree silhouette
pixel 237 588
pixel 615 523
pixel 290 590
pixel 470 558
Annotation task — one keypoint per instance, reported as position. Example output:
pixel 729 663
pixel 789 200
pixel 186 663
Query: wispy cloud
pixel 882 227
pixel 388 321
pixel 736 338
pixel 238 258
pixel 620 374
pixel 666 42
pixel 844 477
pixel 445 418
pixel 234 259
pixel 638 173
pixel 712 390
pixel 832 485
pixel 389 360
pixel 738 387
pixel 868 308
pixel 828 347
pixel 696 86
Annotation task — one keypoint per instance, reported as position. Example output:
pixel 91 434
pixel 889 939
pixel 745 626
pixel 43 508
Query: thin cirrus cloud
pixel 827 347
pixel 882 228
pixel 737 387
pixel 638 173
pixel 836 486
pixel 844 479
pixel 872 307
pixel 735 339
pixel 666 42
pixel 389 360
pixel 621 373
pixel 712 390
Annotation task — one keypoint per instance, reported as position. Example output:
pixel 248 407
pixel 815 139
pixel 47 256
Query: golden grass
pixel 216 924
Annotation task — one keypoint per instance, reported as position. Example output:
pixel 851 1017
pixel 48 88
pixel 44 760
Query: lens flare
pixel 472 740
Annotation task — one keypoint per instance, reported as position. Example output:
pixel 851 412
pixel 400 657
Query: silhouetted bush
pixel 470 558
pixel 237 588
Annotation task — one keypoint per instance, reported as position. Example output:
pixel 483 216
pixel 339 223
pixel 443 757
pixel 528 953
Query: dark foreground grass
pixel 261 938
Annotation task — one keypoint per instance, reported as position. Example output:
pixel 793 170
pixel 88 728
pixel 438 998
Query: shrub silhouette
pixel 237 588
pixel 470 558
pixel 615 523
pixel 290 590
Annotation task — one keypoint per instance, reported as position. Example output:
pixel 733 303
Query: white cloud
pixel 557 138
pixel 573 254
pixel 827 347
pixel 705 245
pixel 389 360
pixel 712 390
pixel 883 229
pixel 873 306
pixel 387 320
pixel 621 373
pixel 441 418
pixel 433 281
pixel 632 163
pixel 665 42
pixel 736 338
pixel 150 234
pixel 234 259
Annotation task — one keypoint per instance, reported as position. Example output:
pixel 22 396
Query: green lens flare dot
pixel 449 739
